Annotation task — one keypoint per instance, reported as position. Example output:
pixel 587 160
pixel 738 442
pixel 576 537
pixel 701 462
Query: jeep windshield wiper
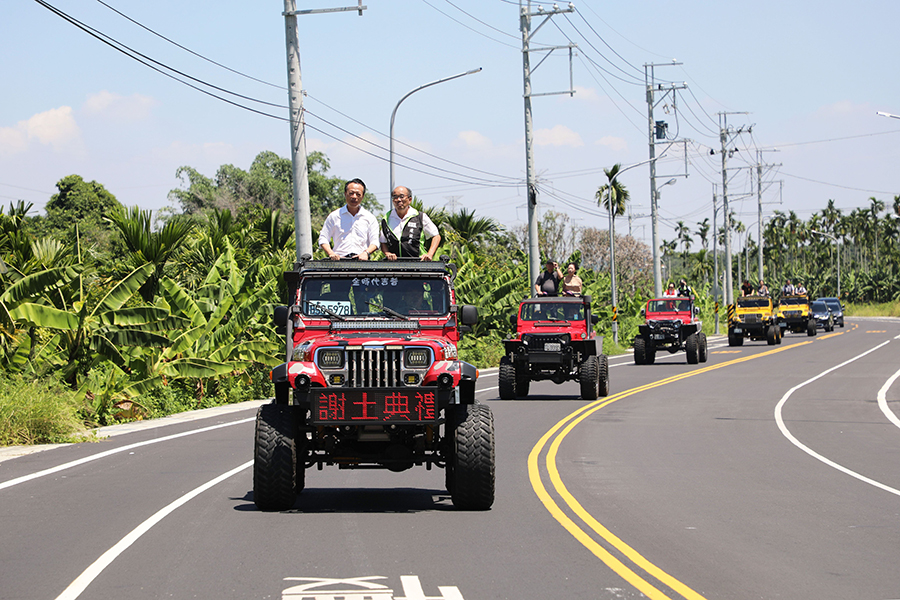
pixel 389 311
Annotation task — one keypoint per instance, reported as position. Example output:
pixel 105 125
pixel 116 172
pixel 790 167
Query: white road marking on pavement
pixel 82 581
pixel 784 430
pixel 87 459
pixel 882 399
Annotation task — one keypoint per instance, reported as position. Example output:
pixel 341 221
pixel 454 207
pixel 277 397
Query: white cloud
pixel 473 140
pixel 119 108
pixel 613 143
pixel 55 128
pixel 560 135
pixel 586 93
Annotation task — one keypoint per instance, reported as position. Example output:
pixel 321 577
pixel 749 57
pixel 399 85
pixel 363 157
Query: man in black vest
pixel 403 229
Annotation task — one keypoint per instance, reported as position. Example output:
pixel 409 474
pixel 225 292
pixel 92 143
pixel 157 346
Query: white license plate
pixel 659 336
pixel 738 330
pixel 552 347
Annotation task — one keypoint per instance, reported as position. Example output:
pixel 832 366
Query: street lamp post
pixel 838 250
pixel 612 242
pixel 394 113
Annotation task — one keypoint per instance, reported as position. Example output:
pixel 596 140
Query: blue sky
pixel 810 75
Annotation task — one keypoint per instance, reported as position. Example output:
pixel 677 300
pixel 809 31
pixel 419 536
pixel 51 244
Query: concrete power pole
pixel 525 15
pixel 723 138
pixel 302 220
pixel 652 88
pixel 759 203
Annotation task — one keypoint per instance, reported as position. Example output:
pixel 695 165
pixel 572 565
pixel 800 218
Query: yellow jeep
pixel 794 315
pixel 754 318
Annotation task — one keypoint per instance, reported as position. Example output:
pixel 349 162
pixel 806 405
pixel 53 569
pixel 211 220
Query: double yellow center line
pixel 578 531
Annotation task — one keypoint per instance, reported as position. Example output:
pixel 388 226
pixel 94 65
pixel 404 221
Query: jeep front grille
pixel 374 368
pixel 753 318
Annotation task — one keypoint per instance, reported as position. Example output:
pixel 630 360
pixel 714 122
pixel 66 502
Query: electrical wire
pixel 457 21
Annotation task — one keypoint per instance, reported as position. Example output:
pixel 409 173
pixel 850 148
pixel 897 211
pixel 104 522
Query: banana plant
pixel 228 327
pixel 91 331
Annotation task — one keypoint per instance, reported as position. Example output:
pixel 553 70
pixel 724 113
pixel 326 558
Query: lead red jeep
pixel 670 324
pixel 554 340
pixel 372 379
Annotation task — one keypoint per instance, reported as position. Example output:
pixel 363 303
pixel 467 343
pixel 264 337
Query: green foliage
pixel 38 411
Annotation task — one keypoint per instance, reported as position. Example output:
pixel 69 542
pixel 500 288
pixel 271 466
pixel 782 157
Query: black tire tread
pixel 275 458
pixel 473 475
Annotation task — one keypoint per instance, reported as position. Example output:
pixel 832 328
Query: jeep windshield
pixel 753 302
pixel 367 296
pixel 552 311
pixel 794 301
pixel 663 306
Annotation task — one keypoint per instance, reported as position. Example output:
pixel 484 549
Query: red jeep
pixel 554 340
pixel 670 324
pixel 372 380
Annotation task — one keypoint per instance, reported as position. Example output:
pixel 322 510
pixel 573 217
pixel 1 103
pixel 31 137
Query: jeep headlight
pixel 417 358
pixel 331 358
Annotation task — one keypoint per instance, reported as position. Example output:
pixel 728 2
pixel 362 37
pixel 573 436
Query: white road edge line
pixel 882 399
pixel 784 430
pixel 87 459
pixel 82 581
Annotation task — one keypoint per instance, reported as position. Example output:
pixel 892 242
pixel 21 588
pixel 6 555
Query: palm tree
pixel 155 247
pixel 613 196
pixel 703 232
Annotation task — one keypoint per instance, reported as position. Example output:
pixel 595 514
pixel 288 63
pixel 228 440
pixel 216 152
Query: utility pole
pixel 302 220
pixel 715 260
pixel 656 131
pixel 525 15
pixel 759 202
pixel 724 132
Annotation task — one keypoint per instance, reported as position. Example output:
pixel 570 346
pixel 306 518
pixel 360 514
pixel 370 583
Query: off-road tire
pixel 603 378
pixel 523 381
pixel 771 335
pixel 692 349
pixel 640 351
pixel 507 379
pixel 811 328
pixel 588 377
pixel 470 477
pixel 704 349
pixel 275 475
pixel 650 354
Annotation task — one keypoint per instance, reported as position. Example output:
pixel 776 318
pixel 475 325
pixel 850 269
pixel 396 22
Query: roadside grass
pixel 39 412
pixel 886 309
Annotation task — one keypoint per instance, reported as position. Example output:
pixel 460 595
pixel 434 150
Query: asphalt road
pixel 767 472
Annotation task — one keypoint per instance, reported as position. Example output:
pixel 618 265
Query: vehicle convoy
pixel 837 309
pixel 794 316
pixel 753 318
pixel 821 314
pixel 554 341
pixel 372 379
pixel 671 324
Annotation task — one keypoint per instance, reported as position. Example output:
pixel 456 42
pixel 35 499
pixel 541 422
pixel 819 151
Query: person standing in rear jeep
pixel 403 229
pixel 352 228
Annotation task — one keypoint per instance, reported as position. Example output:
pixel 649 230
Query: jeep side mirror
pixel 643 312
pixel 281 316
pixel 696 310
pixel 514 321
pixel 594 319
pixel 468 314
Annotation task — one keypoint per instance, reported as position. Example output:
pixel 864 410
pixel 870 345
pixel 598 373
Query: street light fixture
pixel 421 87
pixel 838 246
pixel 612 241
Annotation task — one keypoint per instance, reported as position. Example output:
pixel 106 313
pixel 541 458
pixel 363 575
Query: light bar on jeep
pixel 360 324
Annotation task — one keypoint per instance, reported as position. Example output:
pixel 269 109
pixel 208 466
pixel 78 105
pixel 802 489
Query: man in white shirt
pixel 352 228
pixel 403 229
